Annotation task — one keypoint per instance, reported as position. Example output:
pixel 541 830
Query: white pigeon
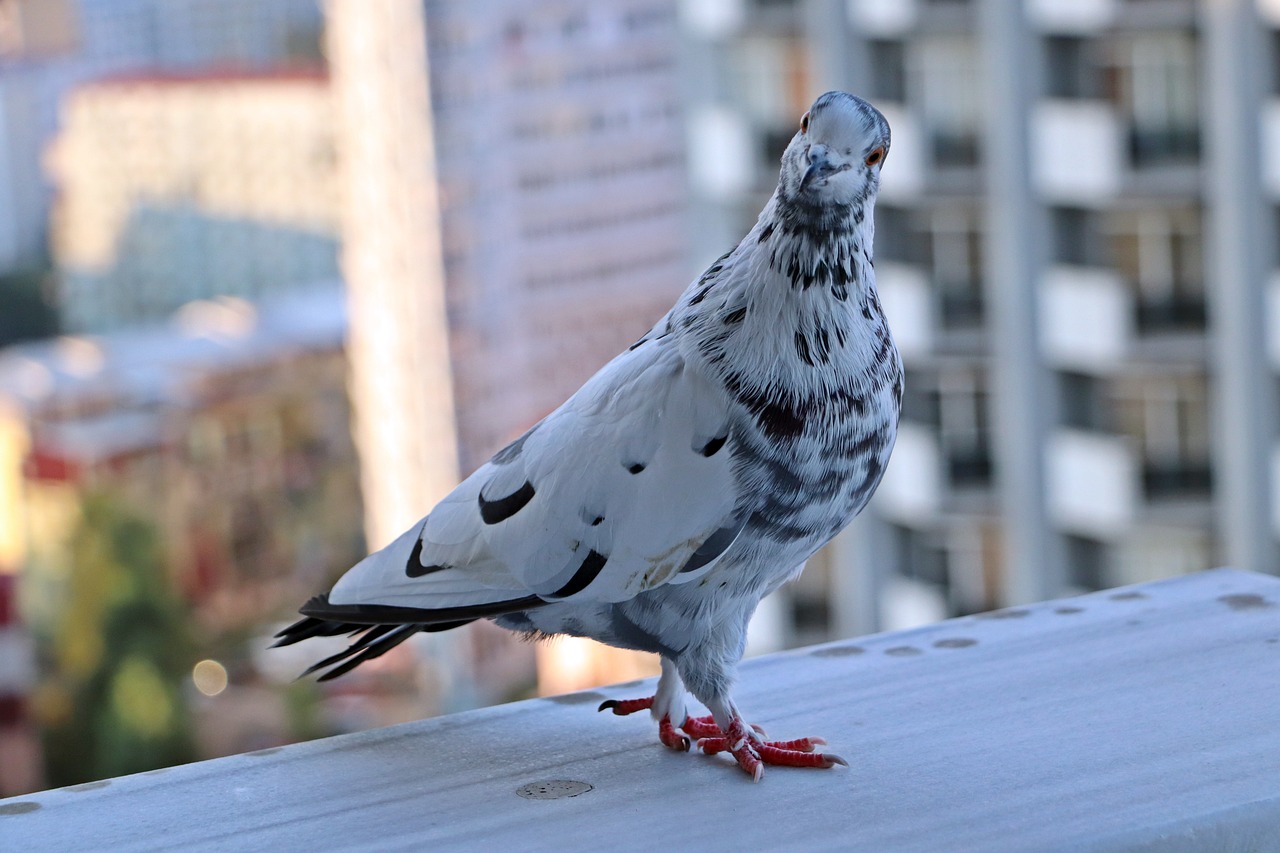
pixel 690 477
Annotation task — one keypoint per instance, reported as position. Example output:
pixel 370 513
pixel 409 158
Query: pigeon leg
pixel 744 742
pixel 666 704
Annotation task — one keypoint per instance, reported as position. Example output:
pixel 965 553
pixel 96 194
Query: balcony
pixel 1086 321
pixel 1093 482
pixel 904 171
pixel 907 300
pixel 1074 17
pixel 913 483
pixel 1137 719
pixel 883 18
pixel 1076 149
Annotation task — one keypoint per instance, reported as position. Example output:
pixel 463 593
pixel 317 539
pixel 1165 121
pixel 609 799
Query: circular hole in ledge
pixel 553 789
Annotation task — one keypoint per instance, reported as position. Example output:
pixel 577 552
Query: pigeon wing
pixel 627 486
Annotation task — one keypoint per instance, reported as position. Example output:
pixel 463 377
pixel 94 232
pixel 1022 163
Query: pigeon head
pixel 836 156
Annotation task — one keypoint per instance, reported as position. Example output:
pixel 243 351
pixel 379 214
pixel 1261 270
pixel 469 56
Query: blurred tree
pixel 25 311
pixel 112 702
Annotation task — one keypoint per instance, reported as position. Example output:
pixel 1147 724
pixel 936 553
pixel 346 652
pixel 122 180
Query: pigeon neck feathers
pixel 794 304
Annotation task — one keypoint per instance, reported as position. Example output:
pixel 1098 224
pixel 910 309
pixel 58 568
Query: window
pixel 922 556
pixel 1169 418
pixel 1160 253
pixel 954 401
pixel 1158 88
pixel 1083 402
pixel 965 431
pixel 920 398
pixel 950 99
pixel 1086 563
pixel 956 238
pixel 888 70
pixel 1070 71
pixel 1275 62
pixel 1077 237
pixel 900 238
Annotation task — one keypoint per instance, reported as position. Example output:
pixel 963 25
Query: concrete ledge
pixel 1146 718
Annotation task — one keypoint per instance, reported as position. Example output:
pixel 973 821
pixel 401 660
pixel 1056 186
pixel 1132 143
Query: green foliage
pixel 113 702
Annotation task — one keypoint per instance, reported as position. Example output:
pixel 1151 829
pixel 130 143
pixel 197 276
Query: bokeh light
pixel 210 677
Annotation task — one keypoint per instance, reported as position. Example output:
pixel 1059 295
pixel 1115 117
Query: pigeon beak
pixel 819 168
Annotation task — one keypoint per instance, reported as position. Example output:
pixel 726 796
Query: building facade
pixel 516 217
pixel 1076 248
pixel 181 186
pixel 49 46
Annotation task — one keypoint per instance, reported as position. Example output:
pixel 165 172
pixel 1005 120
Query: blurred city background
pixel 275 273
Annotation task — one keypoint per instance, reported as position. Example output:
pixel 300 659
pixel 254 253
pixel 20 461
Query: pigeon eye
pixel 875 156
pixel 804 123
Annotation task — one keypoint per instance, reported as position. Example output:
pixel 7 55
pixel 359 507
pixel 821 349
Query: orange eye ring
pixel 875 156
pixel 804 123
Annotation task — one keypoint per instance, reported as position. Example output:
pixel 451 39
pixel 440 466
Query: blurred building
pixel 516 216
pixel 1076 246
pixel 177 34
pixel 228 429
pixel 49 46
pixel 181 186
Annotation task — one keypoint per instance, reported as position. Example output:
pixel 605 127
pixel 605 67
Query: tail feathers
pixel 377 628
pixel 376 640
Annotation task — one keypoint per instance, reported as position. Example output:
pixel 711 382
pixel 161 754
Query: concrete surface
pixel 1146 718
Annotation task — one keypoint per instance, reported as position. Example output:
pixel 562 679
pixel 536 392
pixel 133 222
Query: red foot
pixel 752 753
pixel 749 748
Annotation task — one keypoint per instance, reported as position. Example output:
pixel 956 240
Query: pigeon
pixel 694 474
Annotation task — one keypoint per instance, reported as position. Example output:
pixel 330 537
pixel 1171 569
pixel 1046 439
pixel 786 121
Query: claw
pixel 670 737
pixel 623 707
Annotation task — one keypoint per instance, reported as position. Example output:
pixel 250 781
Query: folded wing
pixel 627 486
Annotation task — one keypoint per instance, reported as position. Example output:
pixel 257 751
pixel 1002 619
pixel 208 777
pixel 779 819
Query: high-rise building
pixel 1076 249
pixel 181 186
pixel 553 132
pixel 516 215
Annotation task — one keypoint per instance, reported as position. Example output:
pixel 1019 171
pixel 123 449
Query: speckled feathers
pixel 698 470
